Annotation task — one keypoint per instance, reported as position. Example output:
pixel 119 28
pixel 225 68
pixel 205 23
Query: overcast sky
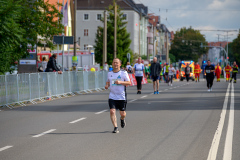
pixel 200 14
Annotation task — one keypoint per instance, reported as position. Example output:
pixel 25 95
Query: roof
pixel 103 4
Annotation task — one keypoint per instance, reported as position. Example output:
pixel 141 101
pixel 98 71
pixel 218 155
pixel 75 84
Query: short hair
pixel 118 59
pixel 128 63
pixel 54 55
pixel 44 58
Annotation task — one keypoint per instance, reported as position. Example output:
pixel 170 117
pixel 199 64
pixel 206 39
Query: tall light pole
pixel 115 30
pixel 105 39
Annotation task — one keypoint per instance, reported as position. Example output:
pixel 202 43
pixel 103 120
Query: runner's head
pixel 217 64
pixel 208 62
pixel 171 65
pixel 128 63
pixel 139 60
pixel 154 59
pixel 234 63
pixel 116 64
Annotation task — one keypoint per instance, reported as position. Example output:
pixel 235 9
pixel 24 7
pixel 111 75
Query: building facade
pixel 89 13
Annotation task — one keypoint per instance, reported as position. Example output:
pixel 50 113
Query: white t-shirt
pixel 171 71
pixel 139 69
pixel 128 66
pixel 117 91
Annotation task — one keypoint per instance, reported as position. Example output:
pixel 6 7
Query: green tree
pixel 123 38
pixel 186 44
pixel 21 22
pixel 235 46
pixel 172 58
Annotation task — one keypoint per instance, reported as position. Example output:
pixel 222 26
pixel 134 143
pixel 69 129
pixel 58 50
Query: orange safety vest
pixel 228 69
pixel 218 69
pixel 197 69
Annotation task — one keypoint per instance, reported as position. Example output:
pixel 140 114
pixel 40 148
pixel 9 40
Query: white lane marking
pixel 151 93
pixel 4 148
pixel 144 96
pixel 227 155
pixel 132 100
pixel 39 135
pixel 78 120
pixel 212 155
pixel 101 111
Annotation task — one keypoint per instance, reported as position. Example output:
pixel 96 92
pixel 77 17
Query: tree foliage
pixel 123 38
pixel 186 44
pixel 235 47
pixel 22 22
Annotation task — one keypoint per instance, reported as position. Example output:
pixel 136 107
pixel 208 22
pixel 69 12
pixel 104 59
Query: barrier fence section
pixel 32 86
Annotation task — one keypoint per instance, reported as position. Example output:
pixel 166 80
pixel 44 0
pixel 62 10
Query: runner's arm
pixel 107 85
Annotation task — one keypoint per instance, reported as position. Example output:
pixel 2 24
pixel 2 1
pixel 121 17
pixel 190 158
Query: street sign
pixel 128 56
pixel 63 39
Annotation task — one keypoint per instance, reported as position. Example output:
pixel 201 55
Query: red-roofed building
pixel 222 44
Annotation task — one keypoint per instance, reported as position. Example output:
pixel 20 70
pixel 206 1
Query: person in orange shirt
pixel 228 69
pixel 218 72
pixel 197 71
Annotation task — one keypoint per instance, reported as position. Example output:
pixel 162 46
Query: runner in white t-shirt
pixel 138 70
pixel 171 71
pixel 117 81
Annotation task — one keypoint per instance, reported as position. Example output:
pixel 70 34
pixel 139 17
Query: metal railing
pixel 45 85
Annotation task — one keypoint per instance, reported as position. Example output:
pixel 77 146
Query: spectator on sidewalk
pixel 52 65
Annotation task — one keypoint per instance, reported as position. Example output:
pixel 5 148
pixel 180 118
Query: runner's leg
pixel 113 117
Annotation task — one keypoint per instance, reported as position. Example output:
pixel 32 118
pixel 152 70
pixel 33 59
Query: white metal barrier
pixel 39 86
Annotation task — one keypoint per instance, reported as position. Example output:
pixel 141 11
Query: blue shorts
pixel 155 78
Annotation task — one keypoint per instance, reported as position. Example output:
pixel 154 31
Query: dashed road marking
pixel 4 148
pixel 144 96
pixel 101 111
pixel 77 120
pixel 39 135
pixel 132 100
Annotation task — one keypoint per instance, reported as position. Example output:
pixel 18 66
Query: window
pixel 86 17
pixel 85 47
pixel 125 17
pixel 85 32
pixel 99 16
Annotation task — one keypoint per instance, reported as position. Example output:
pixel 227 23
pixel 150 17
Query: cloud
pixel 200 14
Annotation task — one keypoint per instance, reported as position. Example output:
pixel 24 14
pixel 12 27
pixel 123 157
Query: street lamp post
pixel 115 30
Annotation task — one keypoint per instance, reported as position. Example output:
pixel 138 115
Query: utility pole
pixel 218 36
pixel 115 30
pixel 75 24
pixel 105 38
pixel 63 35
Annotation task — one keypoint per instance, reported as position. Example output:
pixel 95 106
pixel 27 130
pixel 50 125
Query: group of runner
pixel 118 79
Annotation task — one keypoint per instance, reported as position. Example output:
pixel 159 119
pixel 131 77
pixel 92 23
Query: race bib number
pixel 139 72
pixel 208 71
pixel 113 82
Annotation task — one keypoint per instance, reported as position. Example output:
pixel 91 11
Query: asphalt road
pixel 183 122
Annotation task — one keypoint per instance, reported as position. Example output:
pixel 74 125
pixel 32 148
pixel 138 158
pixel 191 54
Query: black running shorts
pixel 117 104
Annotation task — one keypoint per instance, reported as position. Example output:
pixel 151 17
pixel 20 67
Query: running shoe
pixel 157 92
pixel 123 123
pixel 115 130
pixel 208 90
pixel 140 92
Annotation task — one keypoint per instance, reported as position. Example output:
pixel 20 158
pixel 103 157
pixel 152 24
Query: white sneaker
pixel 208 90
